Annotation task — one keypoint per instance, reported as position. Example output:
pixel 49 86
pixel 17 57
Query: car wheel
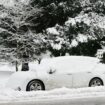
pixel 35 85
pixel 96 82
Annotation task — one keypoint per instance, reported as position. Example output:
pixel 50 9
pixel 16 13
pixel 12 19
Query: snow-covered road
pixel 63 96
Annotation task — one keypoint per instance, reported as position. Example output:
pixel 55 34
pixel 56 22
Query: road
pixel 76 101
pixel 85 96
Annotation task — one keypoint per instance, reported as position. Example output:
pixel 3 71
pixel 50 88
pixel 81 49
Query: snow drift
pixel 62 96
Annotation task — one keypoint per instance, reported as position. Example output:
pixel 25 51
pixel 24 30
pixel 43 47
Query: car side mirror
pixel 51 71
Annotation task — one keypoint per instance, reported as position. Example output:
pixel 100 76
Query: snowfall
pixel 60 96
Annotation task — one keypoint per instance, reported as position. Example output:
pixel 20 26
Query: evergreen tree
pixel 55 12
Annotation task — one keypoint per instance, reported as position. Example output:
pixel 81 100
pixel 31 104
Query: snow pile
pixel 53 96
pixel 70 60
pixel 64 64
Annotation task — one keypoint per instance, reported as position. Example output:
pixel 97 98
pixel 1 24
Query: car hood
pixel 19 78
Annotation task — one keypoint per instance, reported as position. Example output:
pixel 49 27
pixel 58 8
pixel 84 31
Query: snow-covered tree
pixel 69 24
pixel 85 32
pixel 18 40
pixel 82 33
pixel 56 40
pixel 55 12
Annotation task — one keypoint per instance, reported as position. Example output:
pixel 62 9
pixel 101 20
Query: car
pixel 65 71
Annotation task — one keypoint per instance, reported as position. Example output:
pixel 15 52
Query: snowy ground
pixel 63 96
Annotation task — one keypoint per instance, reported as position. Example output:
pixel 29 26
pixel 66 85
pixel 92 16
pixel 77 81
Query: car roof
pixel 71 59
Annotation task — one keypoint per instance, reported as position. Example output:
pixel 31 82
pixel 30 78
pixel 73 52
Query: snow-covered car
pixel 68 71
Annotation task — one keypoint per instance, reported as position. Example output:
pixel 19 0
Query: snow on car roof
pixel 71 58
pixel 69 63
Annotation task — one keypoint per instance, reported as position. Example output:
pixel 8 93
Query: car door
pixel 81 79
pixel 60 75
pixel 60 79
pixel 83 73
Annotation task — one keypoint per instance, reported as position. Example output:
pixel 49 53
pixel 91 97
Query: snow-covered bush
pixel 57 42
pixel 82 32
pixel 85 32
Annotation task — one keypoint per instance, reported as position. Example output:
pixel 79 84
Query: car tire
pixel 96 82
pixel 35 85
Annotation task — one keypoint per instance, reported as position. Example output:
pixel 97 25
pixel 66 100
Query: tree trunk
pixel 16 66
pixel 25 67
